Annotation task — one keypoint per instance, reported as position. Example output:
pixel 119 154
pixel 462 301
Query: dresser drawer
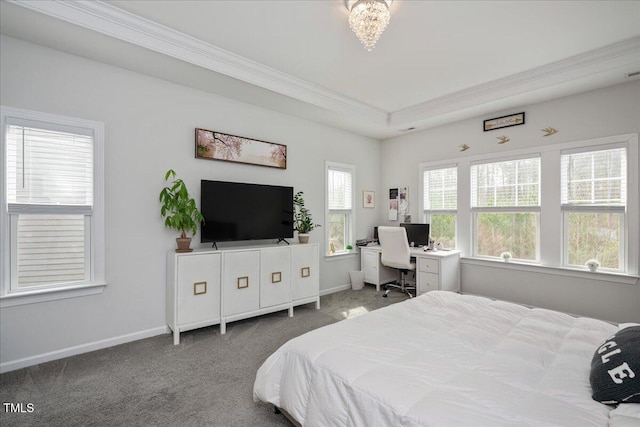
pixel 428 282
pixel 428 265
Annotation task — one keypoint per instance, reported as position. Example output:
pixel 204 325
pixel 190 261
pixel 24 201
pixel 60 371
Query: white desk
pixel 435 270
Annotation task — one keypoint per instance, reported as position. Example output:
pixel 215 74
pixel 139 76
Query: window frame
pixel 349 213
pixel 506 209
pixel 428 213
pixel 623 211
pixel 94 223
pixel 551 230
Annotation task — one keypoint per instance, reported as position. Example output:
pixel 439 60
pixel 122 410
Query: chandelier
pixel 368 19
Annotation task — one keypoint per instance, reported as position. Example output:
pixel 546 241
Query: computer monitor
pixel 417 234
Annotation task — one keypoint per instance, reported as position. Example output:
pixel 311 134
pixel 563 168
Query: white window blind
pixel 513 183
pixel 49 190
pixel 48 167
pixel 597 178
pixel 340 191
pixel 441 189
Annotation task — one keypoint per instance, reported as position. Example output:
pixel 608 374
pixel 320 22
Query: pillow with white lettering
pixel 615 368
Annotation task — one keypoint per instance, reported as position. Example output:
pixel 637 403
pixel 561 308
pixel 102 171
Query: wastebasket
pixel 357 280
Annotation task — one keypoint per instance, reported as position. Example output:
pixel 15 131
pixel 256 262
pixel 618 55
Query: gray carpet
pixel 206 380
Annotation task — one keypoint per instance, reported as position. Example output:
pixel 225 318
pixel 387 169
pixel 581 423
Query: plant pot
pixel 183 244
pixel 303 237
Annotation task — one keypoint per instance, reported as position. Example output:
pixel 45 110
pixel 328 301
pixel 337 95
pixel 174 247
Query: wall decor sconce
pixel 463 147
pixel 549 131
pixel 503 139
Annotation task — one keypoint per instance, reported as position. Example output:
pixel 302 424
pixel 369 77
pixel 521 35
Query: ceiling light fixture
pixel 368 19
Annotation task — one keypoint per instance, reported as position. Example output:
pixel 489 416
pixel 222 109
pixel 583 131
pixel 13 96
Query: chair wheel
pixel 384 296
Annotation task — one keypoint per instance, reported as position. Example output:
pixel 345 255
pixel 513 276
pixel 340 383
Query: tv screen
pixel 239 211
pixel 417 234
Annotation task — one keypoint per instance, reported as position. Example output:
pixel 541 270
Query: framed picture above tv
pixel 213 145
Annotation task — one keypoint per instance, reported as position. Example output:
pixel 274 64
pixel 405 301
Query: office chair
pixel 396 254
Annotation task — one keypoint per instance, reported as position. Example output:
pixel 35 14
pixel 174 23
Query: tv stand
pixel 214 245
pixel 210 287
pixel 282 239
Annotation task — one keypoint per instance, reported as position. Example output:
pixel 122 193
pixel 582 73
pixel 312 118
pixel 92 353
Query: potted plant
pixel 179 210
pixel 592 265
pixel 302 220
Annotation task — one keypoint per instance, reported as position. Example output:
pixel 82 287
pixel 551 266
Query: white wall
pixel 150 128
pixel 604 112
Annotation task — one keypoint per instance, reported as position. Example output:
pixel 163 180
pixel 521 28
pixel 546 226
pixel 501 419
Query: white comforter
pixel 441 359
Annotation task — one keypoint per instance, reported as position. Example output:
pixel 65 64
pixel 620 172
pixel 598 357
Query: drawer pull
pixel 243 282
pixel 276 277
pixel 305 272
pixel 200 288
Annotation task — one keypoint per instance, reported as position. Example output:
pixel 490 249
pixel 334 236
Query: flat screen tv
pixel 236 211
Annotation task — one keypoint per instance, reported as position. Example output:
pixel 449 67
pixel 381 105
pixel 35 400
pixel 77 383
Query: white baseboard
pixel 335 289
pixel 79 349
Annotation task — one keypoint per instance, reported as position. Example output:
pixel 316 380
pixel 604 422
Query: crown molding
pixel 114 22
pixel 573 68
pixel 106 19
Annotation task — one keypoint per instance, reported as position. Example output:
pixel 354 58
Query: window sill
pixel 51 294
pixel 341 255
pixel 605 276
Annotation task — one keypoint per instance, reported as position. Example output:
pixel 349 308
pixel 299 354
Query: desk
pixel 435 270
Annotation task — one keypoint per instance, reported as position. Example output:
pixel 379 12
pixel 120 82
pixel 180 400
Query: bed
pixel 441 359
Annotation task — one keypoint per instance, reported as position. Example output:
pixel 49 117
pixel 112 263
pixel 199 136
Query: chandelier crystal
pixel 368 19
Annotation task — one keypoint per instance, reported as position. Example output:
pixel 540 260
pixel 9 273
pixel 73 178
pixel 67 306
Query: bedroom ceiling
pixel 437 62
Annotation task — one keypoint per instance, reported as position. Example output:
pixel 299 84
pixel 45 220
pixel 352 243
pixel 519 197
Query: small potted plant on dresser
pixel 302 220
pixel 179 210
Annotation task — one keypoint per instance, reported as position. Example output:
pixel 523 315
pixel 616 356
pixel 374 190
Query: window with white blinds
pixel 49 193
pixel 47 167
pixel 572 205
pixel 340 189
pixel 594 199
pixel 596 178
pixel 440 203
pixel 505 205
pixel 513 183
pixel 441 189
pixel 339 215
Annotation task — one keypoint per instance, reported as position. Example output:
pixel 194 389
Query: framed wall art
pixel 213 145
pixel 368 199
pixel 504 122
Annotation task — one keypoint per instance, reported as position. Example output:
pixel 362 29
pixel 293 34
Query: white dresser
pixel 210 287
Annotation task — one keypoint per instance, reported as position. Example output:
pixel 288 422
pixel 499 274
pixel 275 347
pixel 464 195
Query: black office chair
pixel 396 254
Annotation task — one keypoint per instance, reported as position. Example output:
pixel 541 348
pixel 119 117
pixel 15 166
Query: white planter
pixel 592 265
pixel 303 237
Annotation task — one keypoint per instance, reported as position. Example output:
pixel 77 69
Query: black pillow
pixel 615 368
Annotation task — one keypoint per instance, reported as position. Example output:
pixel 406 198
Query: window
pixel 505 205
pixel 441 203
pixel 52 200
pixel 594 198
pixel 339 216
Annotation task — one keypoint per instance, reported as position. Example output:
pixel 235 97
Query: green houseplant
pixel 302 220
pixel 179 210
